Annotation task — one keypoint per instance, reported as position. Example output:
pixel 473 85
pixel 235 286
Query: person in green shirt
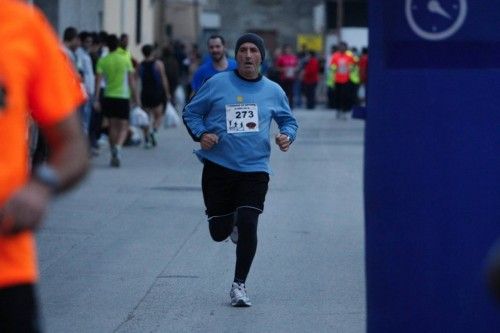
pixel 117 71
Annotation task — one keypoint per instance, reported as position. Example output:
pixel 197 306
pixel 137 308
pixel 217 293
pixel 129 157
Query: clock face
pixel 435 19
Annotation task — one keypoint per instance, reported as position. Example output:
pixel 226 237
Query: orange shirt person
pixel 36 79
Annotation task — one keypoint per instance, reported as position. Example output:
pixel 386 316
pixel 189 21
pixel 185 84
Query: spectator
pixel 83 53
pixel 71 43
pixel 172 70
pixel 98 50
pixel 341 65
pixel 329 78
pixel 363 74
pixel 288 66
pixel 310 78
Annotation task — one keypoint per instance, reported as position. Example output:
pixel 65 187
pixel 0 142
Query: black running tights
pixel 246 220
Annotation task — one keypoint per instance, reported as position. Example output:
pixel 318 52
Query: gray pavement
pixel 129 250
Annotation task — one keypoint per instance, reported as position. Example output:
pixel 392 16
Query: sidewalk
pixel 129 250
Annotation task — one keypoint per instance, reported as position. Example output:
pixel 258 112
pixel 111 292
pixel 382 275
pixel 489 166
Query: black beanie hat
pixel 251 38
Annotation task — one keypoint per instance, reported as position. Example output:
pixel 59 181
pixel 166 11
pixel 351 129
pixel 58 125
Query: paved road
pixel 129 250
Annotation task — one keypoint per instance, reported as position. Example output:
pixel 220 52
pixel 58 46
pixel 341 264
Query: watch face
pixel 435 19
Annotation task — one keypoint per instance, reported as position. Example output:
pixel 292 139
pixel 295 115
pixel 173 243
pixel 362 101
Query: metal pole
pixel 122 16
pixel 196 21
pixel 340 18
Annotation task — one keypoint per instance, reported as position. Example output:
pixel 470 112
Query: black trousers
pixel 309 90
pixel 19 309
pixel 287 86
pixel 343 96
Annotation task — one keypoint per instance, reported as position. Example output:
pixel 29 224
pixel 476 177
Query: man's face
pixel 87 43
pixel 74 43
pixel 249 60
pixel 124 42
pixel 215 49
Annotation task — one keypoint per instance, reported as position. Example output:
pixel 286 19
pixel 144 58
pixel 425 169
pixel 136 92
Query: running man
pixel 231 118
pixel 155 92
pixel 218 62
pixel 117 70
pixel 37 80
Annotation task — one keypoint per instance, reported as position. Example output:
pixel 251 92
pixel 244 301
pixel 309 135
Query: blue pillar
pixel 432 165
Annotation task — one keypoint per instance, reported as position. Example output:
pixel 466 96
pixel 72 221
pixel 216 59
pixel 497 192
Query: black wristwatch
pixel 47 175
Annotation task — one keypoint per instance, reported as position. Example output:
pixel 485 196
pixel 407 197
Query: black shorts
pixel 116 108
pixel 152 99
pixel 18 309
pixel 225 190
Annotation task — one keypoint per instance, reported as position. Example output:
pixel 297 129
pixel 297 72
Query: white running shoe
pixel 234 235
pixel 239 296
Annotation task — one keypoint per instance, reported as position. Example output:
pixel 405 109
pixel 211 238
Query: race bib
pixel 242 118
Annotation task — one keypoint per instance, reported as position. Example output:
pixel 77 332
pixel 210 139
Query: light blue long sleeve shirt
pixel 240 112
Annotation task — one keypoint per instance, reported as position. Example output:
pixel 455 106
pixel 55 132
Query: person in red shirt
pixel 287 65
pixel 36 80
pixel 341 65
pixel 310 78
pixel 363 73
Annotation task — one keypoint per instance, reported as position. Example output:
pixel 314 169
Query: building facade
pixel 137 18
pixel 192 21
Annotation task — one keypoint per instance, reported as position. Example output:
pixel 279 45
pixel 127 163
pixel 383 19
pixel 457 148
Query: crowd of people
pixel 347 72
pixel 170 74
pixel 300 75
pixel 117 85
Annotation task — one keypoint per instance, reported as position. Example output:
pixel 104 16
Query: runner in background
pixel 218 62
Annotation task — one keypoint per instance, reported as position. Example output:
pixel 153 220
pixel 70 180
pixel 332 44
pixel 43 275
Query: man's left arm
pixel 287 123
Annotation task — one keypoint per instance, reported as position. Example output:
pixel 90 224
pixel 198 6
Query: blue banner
pixel 440 34
pixel 432 165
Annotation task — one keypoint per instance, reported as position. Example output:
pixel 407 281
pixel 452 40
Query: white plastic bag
pixel 172 119
pixel 139 117
pixel 180 98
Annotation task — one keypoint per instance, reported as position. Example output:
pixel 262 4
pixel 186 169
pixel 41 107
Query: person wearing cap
pixel 231 117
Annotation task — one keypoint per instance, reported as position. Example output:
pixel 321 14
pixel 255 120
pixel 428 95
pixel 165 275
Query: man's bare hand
pixel 208 140
pixel 283 141
pixel 25 210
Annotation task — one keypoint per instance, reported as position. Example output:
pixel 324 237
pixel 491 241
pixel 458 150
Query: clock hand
pixel 435 7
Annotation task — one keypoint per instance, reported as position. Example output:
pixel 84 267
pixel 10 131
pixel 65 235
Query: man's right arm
pixel 195 111
pixel 67 165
